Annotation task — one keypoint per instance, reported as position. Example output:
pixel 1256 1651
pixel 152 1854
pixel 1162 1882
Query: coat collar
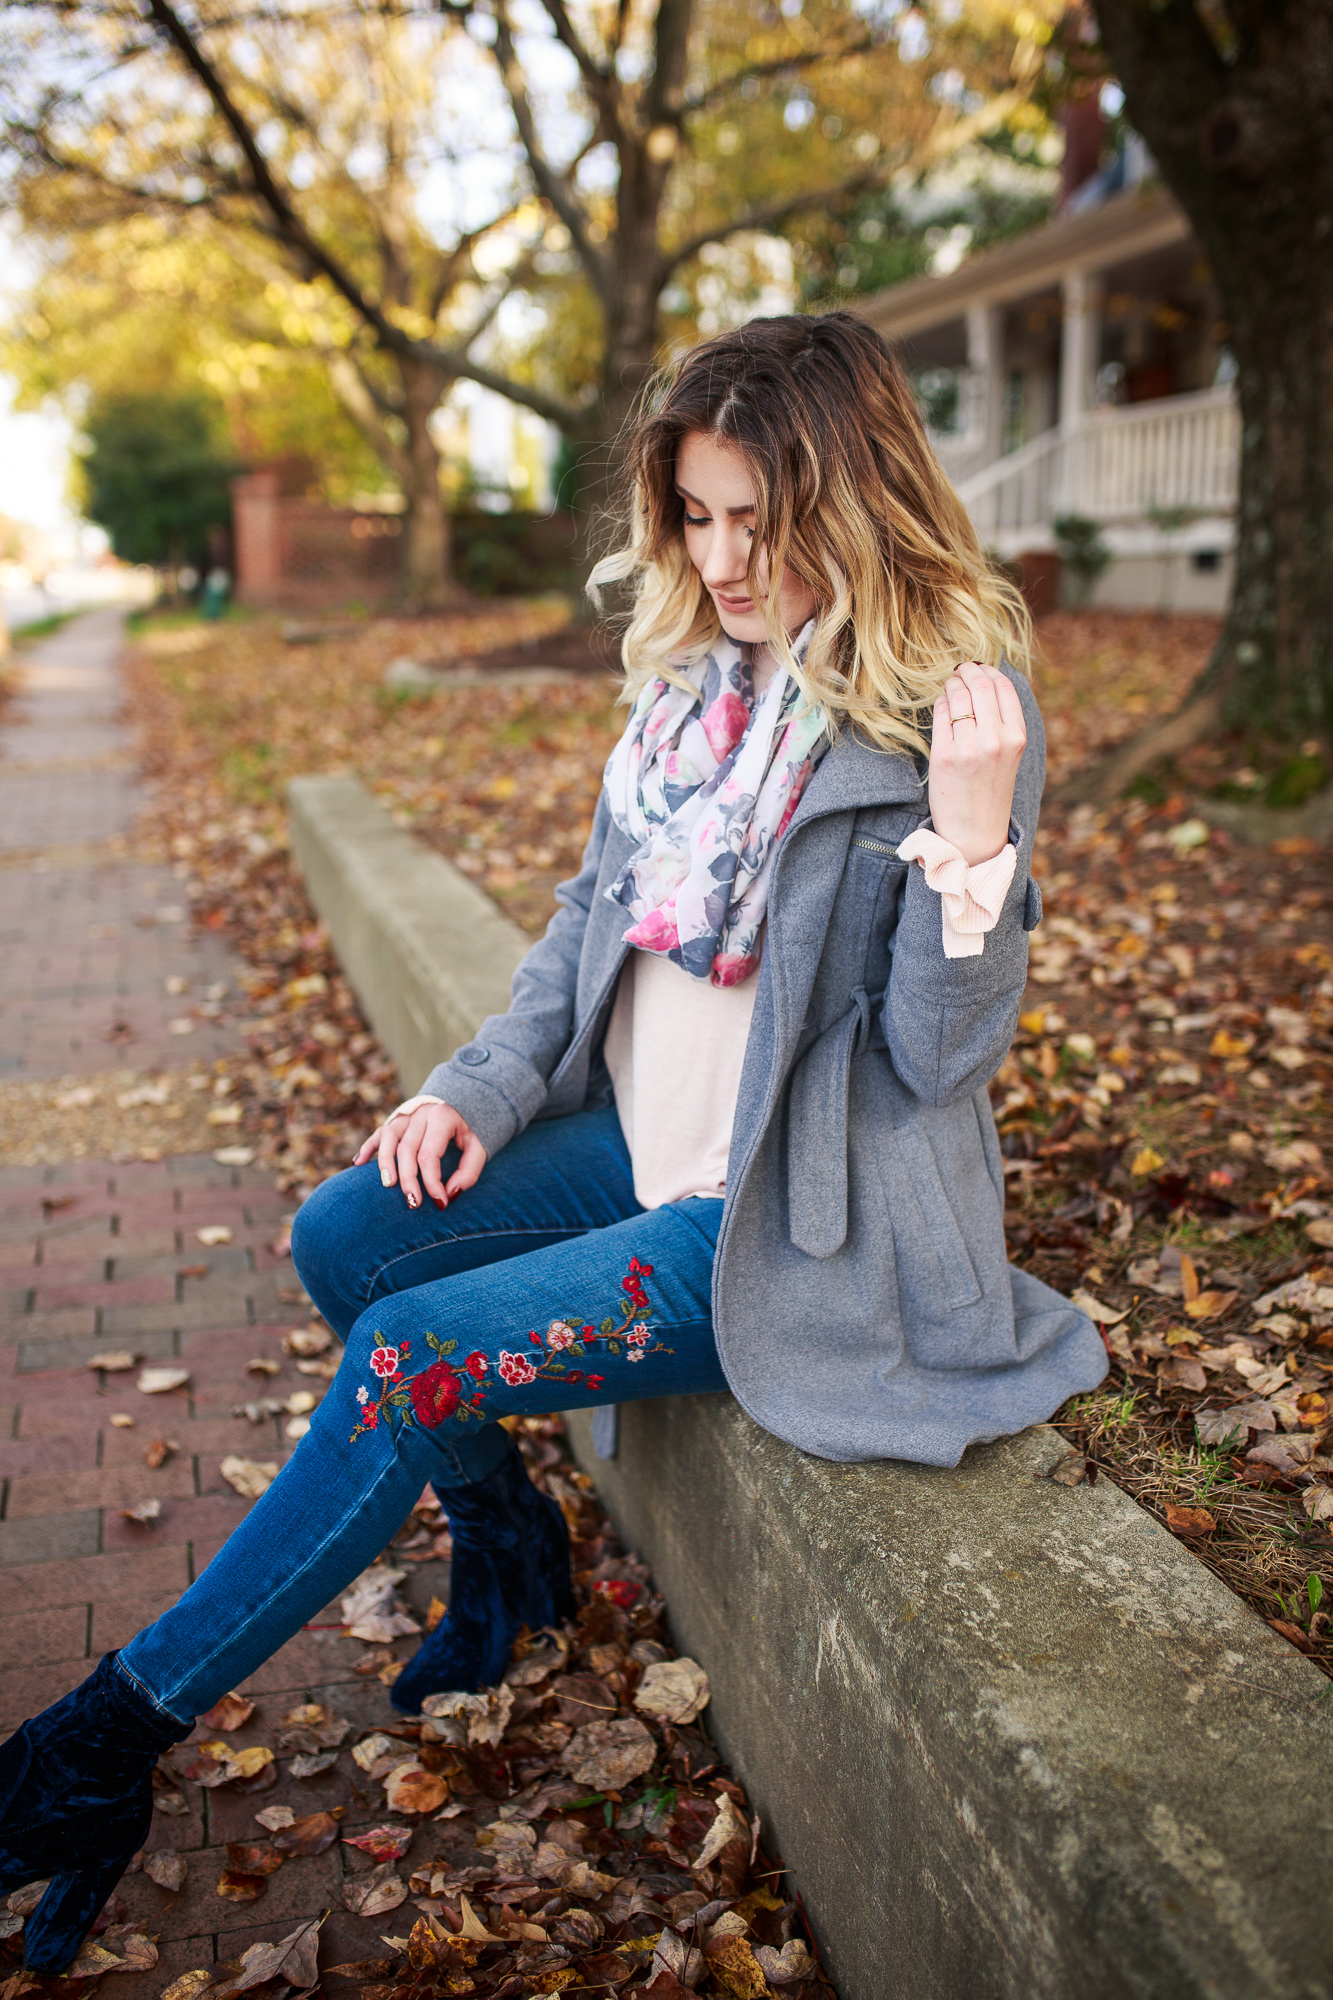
pixel 851 775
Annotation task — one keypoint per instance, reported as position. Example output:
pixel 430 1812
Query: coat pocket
pixel 817 1133
pixel 919 1185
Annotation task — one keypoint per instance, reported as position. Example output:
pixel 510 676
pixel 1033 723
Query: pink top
pixel 675 1045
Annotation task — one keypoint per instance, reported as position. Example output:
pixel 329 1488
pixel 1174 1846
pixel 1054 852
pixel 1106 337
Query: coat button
pixel 474 1056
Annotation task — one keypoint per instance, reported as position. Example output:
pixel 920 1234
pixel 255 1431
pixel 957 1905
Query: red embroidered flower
pixel 516 1369
pixel 536 1339
pixel 596 1381
pixel 574 1375
pixel 404 1349
pixel 477 1402
pixel 476 1365
pixel 370 1415
pixel 559 1335
pixel 384 1360
pixel 435 1394
pixel 588 1333
pixel 637 1335
pixel 644 1270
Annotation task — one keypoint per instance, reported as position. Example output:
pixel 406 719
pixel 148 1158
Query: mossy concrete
pixel 1012 1739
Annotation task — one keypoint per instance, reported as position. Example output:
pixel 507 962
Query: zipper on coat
pixel 873 846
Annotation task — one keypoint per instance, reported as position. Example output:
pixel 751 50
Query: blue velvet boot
pixel 510 1567
pixel 76 1801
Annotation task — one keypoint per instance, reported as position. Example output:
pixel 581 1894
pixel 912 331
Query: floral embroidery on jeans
pixel 446 1390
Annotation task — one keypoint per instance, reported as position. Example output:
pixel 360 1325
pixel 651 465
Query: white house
pixel 1089 376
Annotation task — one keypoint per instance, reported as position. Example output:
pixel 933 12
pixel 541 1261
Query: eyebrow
pixel 733 512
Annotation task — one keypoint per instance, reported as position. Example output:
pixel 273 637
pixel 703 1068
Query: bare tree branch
pixel 555 187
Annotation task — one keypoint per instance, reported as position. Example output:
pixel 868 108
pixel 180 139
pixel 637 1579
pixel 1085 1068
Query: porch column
pixel 1080 340
pixel 985 360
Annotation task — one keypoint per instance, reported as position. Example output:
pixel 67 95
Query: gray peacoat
pixel 862 1300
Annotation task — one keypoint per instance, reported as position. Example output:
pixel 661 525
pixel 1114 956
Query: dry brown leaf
pixel 1189 1278
pixel 733 1964
pixel 311 1835
pixel 381 1843
pixel 412 1789
pixel 607 1756
pixel 248 1763
pixel 167 1868
pixel 372 1894
pixel 1103 1314
pixel 247 1476
pixel 161 1381
pixel 292 1959
pixel 121 1948
pixel 232 1712
pixel 143 1514
pixel 1210 1305
pixel 1190 1520
pixel 675 1691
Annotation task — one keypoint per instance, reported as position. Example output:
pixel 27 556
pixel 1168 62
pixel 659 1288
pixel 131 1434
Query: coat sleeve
pixel 498 1080
pixel 948 1022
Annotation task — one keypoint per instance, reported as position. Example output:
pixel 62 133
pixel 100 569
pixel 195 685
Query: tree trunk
pixel 1240 129
pixel 425 578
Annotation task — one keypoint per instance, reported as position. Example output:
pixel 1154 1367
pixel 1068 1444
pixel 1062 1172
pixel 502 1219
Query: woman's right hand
pixel 411 1144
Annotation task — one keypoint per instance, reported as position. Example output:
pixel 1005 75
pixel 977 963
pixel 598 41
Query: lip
pixel 737 604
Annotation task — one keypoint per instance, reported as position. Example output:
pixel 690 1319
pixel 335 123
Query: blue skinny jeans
pixel 544 1287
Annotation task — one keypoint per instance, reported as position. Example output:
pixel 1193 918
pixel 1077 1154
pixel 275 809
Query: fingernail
pixel 386 1179
pixel 438 1203
pixel 414 1201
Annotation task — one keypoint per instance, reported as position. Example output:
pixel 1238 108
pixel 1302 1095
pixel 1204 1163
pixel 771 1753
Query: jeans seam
pixel 474 1236
pixel 288 1581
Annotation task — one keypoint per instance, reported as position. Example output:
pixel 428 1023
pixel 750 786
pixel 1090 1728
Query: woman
pixel 733 1130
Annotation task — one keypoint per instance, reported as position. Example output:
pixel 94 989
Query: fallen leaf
pixel 372 1894
pixel 1093 1307
pixel 238 1887
pixel 311 1835
pixel 247 1476
pixel 113 1363
pixel 293 1959
pixel 260 1364
pixel 1190 1520
pixel 144 1514
pixel 1210 1305
pixel 435 1613
pixel 318 1724
pixel 734 1966
pixel 785 1967
pixel 121 1421
pixel 371 1748
pixel 381 1843
pixel 214 1233
pixel 167 1869
pixel 1257 1415
pixel 1292 1634
pixel 1321 1232
pixel 160 1381
pixel 232 1712
pixel 1318 1502
pixel 307 1341
pixel 727 1826
pixel 1189 1278
pixel 368 1609
pixel 1218 1428
pixel 189 1986
pixel 234 1156
pixel 1182 1371
pixel 472 1926
pixel 607 1756
pixel 311 1766
pixel 1071 1470
pixel 412 1789
pixel 675 1691
pixel 158 1452
pixel 248 1763
pixel 1288 1453
pixel 1146 1161
pixel 274 1818
pixel 121 1948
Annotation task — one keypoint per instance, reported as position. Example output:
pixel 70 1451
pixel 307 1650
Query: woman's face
pixel 718 497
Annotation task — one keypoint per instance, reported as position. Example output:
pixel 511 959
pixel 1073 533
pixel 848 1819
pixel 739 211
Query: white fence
pixel 1116 465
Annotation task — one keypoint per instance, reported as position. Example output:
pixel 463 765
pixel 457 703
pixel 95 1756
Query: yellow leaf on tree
pixel 1146 1161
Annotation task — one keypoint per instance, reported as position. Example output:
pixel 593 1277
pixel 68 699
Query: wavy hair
pixel 848 495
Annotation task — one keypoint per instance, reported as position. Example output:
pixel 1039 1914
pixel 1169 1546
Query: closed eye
pixel 696 520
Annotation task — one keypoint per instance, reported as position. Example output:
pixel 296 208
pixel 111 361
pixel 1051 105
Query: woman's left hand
pixel 976 747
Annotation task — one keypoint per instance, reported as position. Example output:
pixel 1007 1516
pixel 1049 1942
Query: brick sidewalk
pixel 102 1255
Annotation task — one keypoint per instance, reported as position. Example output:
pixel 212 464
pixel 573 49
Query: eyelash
pixel 701 521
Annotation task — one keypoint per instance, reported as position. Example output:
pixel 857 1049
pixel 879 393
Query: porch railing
pixel 1116 465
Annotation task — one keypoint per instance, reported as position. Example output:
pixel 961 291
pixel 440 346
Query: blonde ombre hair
pixel 848 495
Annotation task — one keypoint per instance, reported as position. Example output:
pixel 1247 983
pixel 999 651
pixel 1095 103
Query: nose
pixel 728 555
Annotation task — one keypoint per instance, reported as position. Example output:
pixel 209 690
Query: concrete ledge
pixel 427 953
pixel 1013 1740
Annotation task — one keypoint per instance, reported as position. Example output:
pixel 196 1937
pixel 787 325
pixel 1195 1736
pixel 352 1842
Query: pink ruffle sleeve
pixel 971 898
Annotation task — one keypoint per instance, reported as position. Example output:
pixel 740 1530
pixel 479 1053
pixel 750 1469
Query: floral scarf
pixel 706 783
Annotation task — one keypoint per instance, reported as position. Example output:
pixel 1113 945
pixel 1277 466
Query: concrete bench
pixel 1010 1737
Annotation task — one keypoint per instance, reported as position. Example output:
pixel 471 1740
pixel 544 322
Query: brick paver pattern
pixel 99 1256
